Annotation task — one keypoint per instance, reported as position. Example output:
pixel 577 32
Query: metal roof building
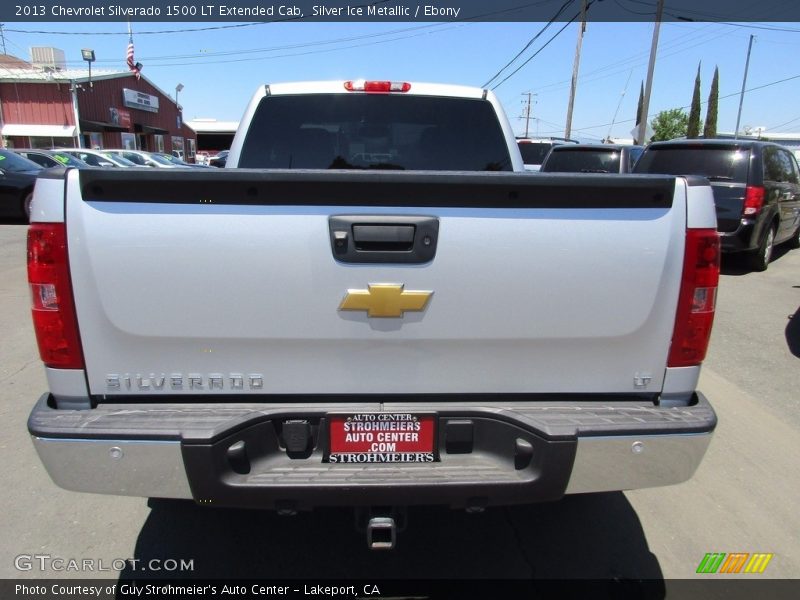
pixel 43 106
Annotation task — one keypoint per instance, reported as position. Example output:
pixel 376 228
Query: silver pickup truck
pixel 378 308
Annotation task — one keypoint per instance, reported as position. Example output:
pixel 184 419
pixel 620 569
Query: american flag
pixel 132 64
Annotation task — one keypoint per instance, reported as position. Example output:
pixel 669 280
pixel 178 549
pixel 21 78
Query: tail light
pixel 753 200
pixel 377 87
pixel 697 298
pixel 52 303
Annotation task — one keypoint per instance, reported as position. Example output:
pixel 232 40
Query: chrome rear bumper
pixel 179 451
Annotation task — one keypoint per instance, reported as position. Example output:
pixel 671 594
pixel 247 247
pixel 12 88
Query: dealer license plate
pixel 382 438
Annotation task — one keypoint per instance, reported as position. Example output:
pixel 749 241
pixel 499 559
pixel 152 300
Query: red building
pixel 45 107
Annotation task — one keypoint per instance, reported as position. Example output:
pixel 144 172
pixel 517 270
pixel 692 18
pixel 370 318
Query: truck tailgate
pixel 227 283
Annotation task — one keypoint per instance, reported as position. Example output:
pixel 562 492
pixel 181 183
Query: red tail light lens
pixel 753 200
pixel 52 304
pixel 377 87
pixel 697 299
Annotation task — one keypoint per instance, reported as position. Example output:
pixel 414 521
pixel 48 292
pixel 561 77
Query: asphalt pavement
pixel 742 498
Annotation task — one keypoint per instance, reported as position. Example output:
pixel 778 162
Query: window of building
pixel 51 142
pixel 129 141
pixel 177 146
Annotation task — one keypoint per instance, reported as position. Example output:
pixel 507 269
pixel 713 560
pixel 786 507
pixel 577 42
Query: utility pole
pixel 527 115
pixel 3 37
pixel 575 66
pixel 650 68
pixel 744 83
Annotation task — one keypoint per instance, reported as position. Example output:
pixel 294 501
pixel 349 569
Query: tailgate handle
pixel 404 239
pixel 392 238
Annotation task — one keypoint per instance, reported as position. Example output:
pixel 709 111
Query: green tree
pixel 693 129
pixel 639 108
pixel 669 124
pixel 710 129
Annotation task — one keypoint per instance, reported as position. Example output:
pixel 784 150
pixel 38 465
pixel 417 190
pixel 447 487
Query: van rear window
pixel 375 131
pixel 578 160
pixel 718 163
pixel 533 153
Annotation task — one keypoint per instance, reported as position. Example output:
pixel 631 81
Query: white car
pixel 142 158
pixel 97 158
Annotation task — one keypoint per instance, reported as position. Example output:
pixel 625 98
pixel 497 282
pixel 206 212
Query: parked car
pixel 51 158
pixel 141 158
pixel 534 151
pixel 219 160
pixel 178 162
pixel 96 158
pixel 591 158
pixel 756 189
pixel 17 176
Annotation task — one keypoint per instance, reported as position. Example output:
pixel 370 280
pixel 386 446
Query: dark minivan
pixel 591 158
pixel 756 189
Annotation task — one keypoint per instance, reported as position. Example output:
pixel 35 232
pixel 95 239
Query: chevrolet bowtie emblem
pixel 385 300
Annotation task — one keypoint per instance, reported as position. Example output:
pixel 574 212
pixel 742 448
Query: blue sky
pixel 221 68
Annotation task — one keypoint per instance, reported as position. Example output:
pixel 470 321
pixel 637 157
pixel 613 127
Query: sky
pixel 220 69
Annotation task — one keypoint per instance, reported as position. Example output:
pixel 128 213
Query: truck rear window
pixel 718 163
pixel 583 161
pixel 375 131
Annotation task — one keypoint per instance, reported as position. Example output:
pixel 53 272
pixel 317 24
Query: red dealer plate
pixel 382 438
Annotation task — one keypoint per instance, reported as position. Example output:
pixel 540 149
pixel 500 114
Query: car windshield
pixel 67 159
pixel 577 160
pixel 716 162
pixel 10 161
pixel 161 160
pixel 375 131
pixel 118 160
pixel 533 153
pixel 172 160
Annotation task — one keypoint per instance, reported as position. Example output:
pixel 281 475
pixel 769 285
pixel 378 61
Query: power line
pixel 630 10
pixel 530 42
pixel 726 96
pixel 784 124
pixel 291 54
pixel 636 59
pixel 535 54
pixel 703 16
pixel 276 48
pixel 632 61
pixel 559 85
pixel 751 26
pixel 619 104
pixel 201 59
